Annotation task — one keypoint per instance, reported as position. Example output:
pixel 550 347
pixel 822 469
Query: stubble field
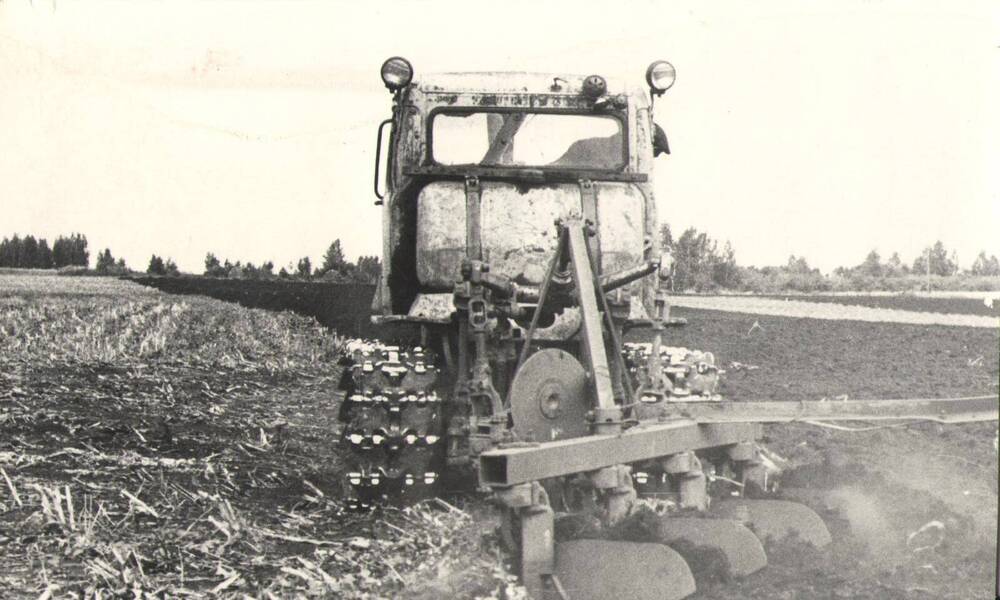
pixel 155 445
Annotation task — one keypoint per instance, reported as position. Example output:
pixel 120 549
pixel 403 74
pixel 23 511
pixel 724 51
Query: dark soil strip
pixel 809 359
pixel 340 306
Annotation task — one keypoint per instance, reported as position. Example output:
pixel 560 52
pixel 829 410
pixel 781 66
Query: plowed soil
pixel 159 446
pixel 873 488
pixel 811 359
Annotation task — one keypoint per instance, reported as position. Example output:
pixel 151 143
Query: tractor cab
pixel 480 166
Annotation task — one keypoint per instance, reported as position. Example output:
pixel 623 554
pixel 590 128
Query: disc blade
pixel 550 397
pixel 776 519
pixel 715 549
pixel 601 569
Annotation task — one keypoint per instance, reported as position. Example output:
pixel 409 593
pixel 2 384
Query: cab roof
pixel 513 82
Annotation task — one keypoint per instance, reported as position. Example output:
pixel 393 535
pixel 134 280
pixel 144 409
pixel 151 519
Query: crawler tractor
pixel 519 249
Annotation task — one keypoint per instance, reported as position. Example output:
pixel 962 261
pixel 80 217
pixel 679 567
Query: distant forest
pixel 335 268
pixel 699 265
pixel 31 253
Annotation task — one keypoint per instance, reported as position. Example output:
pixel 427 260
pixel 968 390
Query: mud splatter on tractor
pixel 519 239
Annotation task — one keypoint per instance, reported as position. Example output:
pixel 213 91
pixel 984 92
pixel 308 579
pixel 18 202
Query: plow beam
pixel 958 410
pixel 510 466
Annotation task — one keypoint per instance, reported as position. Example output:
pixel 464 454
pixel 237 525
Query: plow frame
pixel 514 476
pixel 674 437
pixel 680 431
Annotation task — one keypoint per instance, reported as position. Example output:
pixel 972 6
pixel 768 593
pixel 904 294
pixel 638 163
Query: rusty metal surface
pixel 518 233
pixel 509 466
pixel 442 234
pixel 506 82
pixel 621 228
pixel 410 171
pixel 439 308
pixel 433 307
pixel 473 224
pixel 641 120
pixel 592 342
pixel 588 202
pixel 524 176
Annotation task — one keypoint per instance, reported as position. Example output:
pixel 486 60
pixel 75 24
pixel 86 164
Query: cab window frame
pixel 620 116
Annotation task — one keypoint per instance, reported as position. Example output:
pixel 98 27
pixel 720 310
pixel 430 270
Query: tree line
pixel 701 265
pixel 335 267
pixel 30 253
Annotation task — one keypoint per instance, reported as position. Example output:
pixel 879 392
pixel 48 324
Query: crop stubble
pixel 195 442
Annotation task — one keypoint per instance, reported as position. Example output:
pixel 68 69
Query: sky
pixel 247 129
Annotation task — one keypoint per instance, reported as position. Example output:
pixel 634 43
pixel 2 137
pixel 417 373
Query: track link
pixel 393 425
pixel 692 374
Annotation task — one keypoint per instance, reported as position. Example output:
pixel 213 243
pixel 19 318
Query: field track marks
pixel 829 311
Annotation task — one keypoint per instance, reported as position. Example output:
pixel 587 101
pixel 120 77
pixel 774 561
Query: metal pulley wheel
pixel 550 397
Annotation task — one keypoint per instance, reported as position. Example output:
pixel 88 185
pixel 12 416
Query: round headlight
pixel 660 76
pixel 397 72
pixel 595 86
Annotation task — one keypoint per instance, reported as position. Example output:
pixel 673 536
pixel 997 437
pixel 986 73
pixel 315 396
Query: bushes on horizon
pixel 796 276
pixel 213 268
pixel 156 266
pixel 868 274
pixel 337 268
pixel 304 268
pixel 107 265
pixel 698 262
pixel 894 267
pixel 940 262
pixel 985 266
pixel 104 261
